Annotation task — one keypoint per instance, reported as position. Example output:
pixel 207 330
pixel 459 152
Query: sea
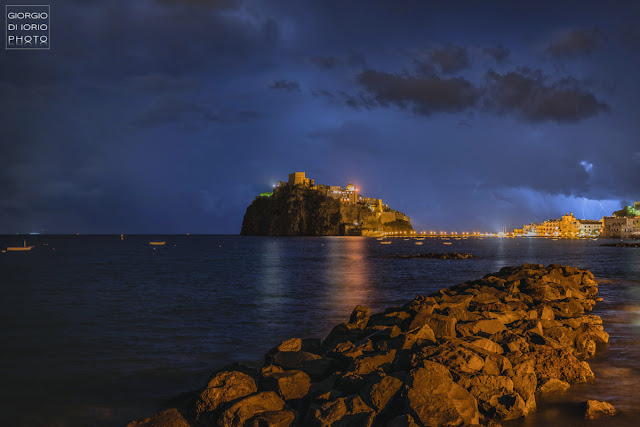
pixel 97 330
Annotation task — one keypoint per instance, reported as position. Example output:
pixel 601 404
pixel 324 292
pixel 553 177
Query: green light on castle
pixel 266 194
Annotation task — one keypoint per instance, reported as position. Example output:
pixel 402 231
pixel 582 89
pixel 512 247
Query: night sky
pixel 167 116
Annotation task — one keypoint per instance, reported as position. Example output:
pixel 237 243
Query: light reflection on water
pixel 102 330
pixel 347 273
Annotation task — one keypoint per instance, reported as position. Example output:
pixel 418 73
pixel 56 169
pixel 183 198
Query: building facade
pixel 589 228
pixel 618 227
pixel 299 178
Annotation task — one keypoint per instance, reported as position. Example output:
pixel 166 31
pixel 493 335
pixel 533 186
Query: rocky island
pixel 299 207
pixel 476 353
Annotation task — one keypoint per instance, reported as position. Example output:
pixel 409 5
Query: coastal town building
pixel 568 226
pixel 620 227
pixel 550 228
pixel 589 228
pixel 530 229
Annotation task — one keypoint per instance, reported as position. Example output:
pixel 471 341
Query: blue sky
pixel 167 116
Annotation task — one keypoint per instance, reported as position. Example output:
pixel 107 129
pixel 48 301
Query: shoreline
pixel 498 343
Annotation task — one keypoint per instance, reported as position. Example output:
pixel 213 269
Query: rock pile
pixel 622 245
pixel 437 255
pixel 480 351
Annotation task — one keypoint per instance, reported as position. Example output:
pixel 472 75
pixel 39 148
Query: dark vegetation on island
pixel 436 255
pixel 295 211
pixel 627 211
pixel 476 353
pixel 302 211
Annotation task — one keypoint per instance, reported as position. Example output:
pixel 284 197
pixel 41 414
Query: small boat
pixel 157 243
pixel 385 242
pixel 24 247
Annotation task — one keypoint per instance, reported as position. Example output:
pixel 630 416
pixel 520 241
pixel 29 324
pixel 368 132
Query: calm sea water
pixel 97 330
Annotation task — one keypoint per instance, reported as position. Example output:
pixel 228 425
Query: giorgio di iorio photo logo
pixel 28 27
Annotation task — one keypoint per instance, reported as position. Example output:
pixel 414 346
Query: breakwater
pixel 477 352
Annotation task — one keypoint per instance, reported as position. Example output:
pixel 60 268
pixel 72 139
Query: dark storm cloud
pixel 422 94
pixel 355 59
pixel 215 4
pixel 285 85
pixel 498 53
pixel 350 58
pixel 631 37
pixel 124 39
pixel 171 110
pixel 536 97
pixel 450 59
pixel 355 138
pixel 325 62
pixel 440 59
pixel 159 83
pixel 320 93
pixel 245 116
pixel 575 42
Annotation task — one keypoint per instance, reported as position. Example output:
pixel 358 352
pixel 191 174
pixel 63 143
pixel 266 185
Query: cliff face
pixel 301 211
pixel 295 211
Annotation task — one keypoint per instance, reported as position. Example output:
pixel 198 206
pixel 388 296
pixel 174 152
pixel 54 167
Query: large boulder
pixel 525 383
pixel 289 385
pixel 442 326
pixel 379 392
pixel 317 367
pixel 225 387
pixel 245 409
pixel 559 364
pixel 455 356
pixel 359 317
pixel 284 418
pixel 487 326
pixel 404 420
pixel 169 418
pixel 342 333
pixel 552 386
pixel 596 409
pixel 367 364
pixel 350 411
pixel 433 398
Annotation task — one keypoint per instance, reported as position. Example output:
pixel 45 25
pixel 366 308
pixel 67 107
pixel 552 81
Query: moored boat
pixel 24 247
